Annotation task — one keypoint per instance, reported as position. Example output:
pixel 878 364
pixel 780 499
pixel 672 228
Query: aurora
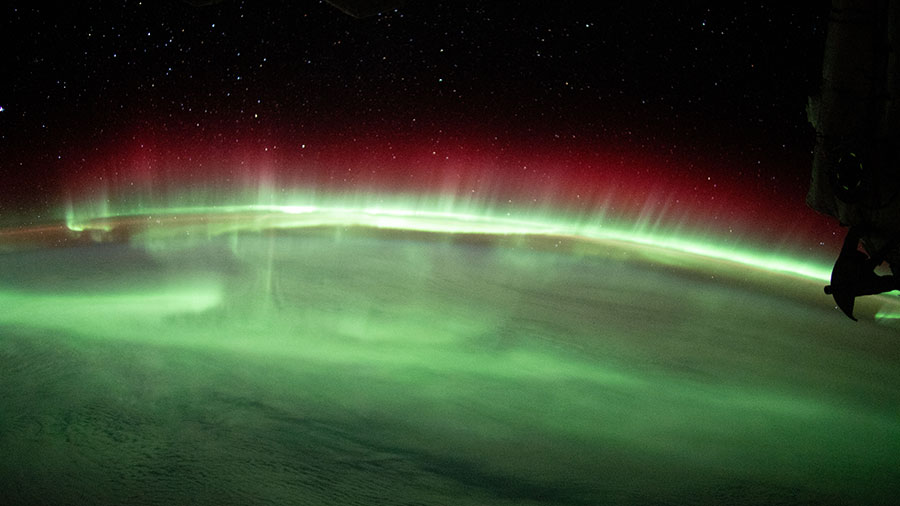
pixel 350 344
pixel 469 253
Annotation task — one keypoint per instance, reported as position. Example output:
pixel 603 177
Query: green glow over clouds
pixel 463 351
pixel 347 358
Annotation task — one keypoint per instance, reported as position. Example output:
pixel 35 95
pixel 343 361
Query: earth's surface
pixel 344 366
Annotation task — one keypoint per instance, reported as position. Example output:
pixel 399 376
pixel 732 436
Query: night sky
pixel 695 113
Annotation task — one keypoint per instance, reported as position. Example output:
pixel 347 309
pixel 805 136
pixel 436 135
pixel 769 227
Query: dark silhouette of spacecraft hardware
pixel 856 161
pixel 854 275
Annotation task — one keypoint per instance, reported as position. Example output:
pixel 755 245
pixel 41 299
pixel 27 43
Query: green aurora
pixel 363 354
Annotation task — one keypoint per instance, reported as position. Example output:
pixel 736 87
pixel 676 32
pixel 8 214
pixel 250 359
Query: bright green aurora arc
pixel 380 350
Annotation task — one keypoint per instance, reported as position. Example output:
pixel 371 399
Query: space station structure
pixel 856 115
